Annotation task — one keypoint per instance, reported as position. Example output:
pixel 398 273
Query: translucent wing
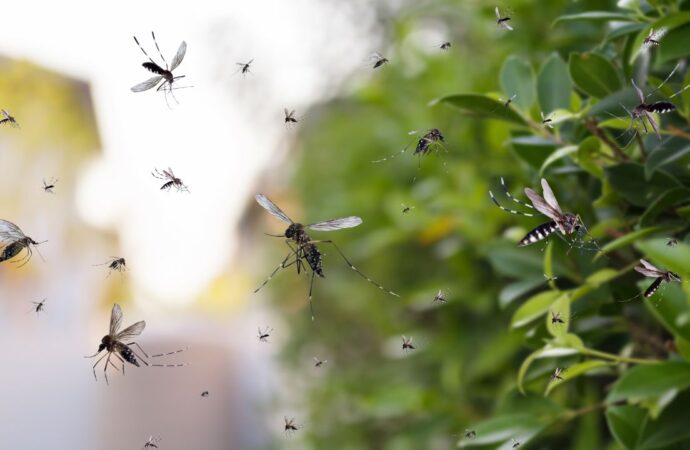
pixel 272 208
pixel 507 26
pixel 640 94
pixel 541 205
pixel 6 114
pixel 650 266
pixel 115 319
pixel 336 224
pixel 179 56
pixel 548 195
pixel 10 231
pixel 652 122
pixel 148 84
pixel 131 331
pixel 498 14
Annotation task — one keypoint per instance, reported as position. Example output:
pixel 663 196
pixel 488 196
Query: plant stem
pixel 617 358
pixel 593 128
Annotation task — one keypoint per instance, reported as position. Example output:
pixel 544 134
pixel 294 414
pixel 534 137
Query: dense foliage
pixel 484 359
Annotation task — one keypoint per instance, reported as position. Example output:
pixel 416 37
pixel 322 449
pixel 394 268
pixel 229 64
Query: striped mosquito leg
pixel 282 265
pixel 311 287
pixel 144 51
pixel 170 365
pixel 354 268
pixel 159 50
pixel 390 157
pixel 510 196
pixel 540 233
pixel 653 287
pixel 511 211
pixel 170 353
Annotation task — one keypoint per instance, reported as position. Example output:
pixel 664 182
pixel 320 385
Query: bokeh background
pixel 194 259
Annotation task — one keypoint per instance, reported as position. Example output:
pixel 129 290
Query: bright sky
pixel 225 131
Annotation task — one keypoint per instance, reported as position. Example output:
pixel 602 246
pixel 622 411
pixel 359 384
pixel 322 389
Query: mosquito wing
pixel 10 231
pixel 336 224
pixel 652 122
pixel 640 94
pixel 646 265
pixel 272 208
pixel 131 331
pixel 541 205
pixel 179 56
pixel 148 84
pixel 498 13
pixel 549 197
pixel 115 320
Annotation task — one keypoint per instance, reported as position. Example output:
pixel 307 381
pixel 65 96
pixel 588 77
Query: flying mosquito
pixel 556 375
pixel 291 426
pixel 653 39
pixel 39 306
pixel 407 344
pixel 671 242
pixel 440 297
pixel 264 335
pixel 170 180
pixel 8 119
pixel 49 186
pixel 445 46
pixel 113 344
pixel 406 209
pixel 647 269
pixel 318 362
pixel 152 442
pixel 505 103
pixel 163 76
pixel 14 241
pixel 304 253
pixel 427 141
pixel 516 444
pixel 289 117
pixel 549 279
pixel 557 318
pixel 470 434
pixel 546 120
pixel 565 223
pixel 502 22
pixel 204 394
pixel 115 264
pixel 244 67
pixel 378 59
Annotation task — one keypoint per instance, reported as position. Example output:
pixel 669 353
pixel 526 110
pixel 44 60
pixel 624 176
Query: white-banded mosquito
pixel 39 306
pixel 440 297
pixel 564 223
pixel 547 121
pixel 13 241
pixel 244 67
pixel 115 264
pixel 502 21
pixel 649 270
pixel 204 394
pixel 304 253
pixel 407 344
pixel 291 426
pixel 427 141
pixel 556 375
pixel 319 362
pixel 163 76
pixel 114 343
pixel 265 334
pixel 378 60
pixel 50 185
pixel 8 119
pixel 152 442
pixel 653 39
pixel 170 180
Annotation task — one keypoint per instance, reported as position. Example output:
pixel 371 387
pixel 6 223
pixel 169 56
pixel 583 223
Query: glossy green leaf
pixel 671 151
pixel 626 424
pixel 517 78
pixel 663 203
pixel 501 429
pixel 675 44
pixel 534 308
pixel 625 180
pixel 557 155
pixel 534 150
pixel 669 23
pixel 483 106
pixel 575 371
pixel 593 74
pixel 554 85
pixel 675 259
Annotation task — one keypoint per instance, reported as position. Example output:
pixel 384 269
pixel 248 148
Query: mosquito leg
pixel 311 287
pixel 105 368
pixel 510 196
pixel 144 51
pixel 282 265
pixel 159 50
pixel 94 366
pixel 170 353
pixel 353 267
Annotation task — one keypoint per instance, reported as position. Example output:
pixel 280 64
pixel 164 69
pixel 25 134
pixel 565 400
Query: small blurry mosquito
pixel 502 21
pixel 7 118
pixel 407 344
pixel 265 334
pixel 204 394
pixel 550 279
pixel 14 241
pixel 152 442
pixel 653 39
pixel 291 426
pixel 170 180
pixel 318 362
pixel 304 253
pixel 505 103
pixel 50 185
pixel 244 67
pixel 39 306
pixel 440 297
pixel 546 120
pixel 427 141
pixel 470 434
pixel 162 75
pixel 564 223
pixel 378 59
pixel 647 269
pixel 516 444
pixel 556 375
pixel 556 318
pixel 445 46
pixel 406 209
pixel 289 117
pixel 115 264
pixel 671 242
pixel 113 344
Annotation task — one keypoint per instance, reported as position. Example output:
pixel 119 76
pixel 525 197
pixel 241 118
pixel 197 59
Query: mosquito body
pixel 564 223
pixel 318 362
pixel 291 426
pixel 304 253
pixel 114 344
pixel 445 46
pixel 265 334
pixel 8 119
pixel 152 442
pixel 407 344
pixel 653 39
pixel 546 120
pixel 556 318
pixel 647 269
pixel 13 241
pixel 406 209
pixel 440 297
pixel 502 21
pixel 427 141
pixel 556 375
pixel 516 444
pixel 39 306
pixel 509 101
pixel 204 394
pixel 290 118
pixel 378 60
pixel 171 181
pixel 115 264
pixel 549 279
pixel 164 78
pixel 671 242
pixel 50 185
pixel 244 67
pixel 470 434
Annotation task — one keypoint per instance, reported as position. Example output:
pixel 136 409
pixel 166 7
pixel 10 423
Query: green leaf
pixel 501 429
pixel 575 371
pixel 626 423
pixel 560 306
pixel 553 84
pixel 587 153
pixel 555 156
pixel 534 150
pixel 671 427
pixel 593 74
pixel 534 308
pixel 669 22
pixel 664 202
pixel 602 16
pixel 629 239
pixel 675 44
pixel 483 106
pixel 548 351
pixel 670 307
pixel 517 78
pixel 515 290
pixel 625 179
pixel 672 150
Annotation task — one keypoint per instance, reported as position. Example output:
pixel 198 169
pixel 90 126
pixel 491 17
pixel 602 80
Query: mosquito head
pixel 672 276
pixel 294 231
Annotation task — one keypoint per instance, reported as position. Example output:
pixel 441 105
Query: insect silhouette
pixel 407 344
pixel 445 46
pixel 516 444
pixel 264 335
pixel 546 120
pixel 502 21
pixel 39 306
pixel 318 362
pixel 470 434
pixel 291 426
pixel 549 279
pixel 647 269
pixel 163 76
pixel 653 39
pixel 304 253
pixel 49 186
pixel 556 318
pixel 440 297
pixel 204 394
pixel 8 119
pixel 170 180
pixel 115 264
pixel 564 223
pixel 152 442
pixel 378 59
pixel 244 67
pixel 114 343
pixel 406 209
pixel 556 375
pixel 13 241
pixel 671 242
pixel 289 117
pixel 427 141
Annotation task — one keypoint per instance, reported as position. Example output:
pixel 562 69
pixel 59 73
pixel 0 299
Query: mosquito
pixel 152 442
pixel 556 318
pixel 162 75
pixel 318 362
pixel 440 297
pixel 445 46
pixel 170 180
pixel 50 185
pixel 289 117
pixel 649 270
pixel 113 344
pixel 291 426
pixel 505 103
pixel 204 394
pixel 115 264
pixel 516 444
pixel 39 306
pixel 264 335
pixel 470 434
pixel 304 253
pixel 549 279
pixel 428 140
pixel 556 375
pixel 653 39
pixel 671 242
pixel 407 344
pixel 546 120
pixel 378 60
pixel 564 223
pixel 244 67
pixel 502 22
pixel 8 119
pixel 406 209
pixel 14 241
